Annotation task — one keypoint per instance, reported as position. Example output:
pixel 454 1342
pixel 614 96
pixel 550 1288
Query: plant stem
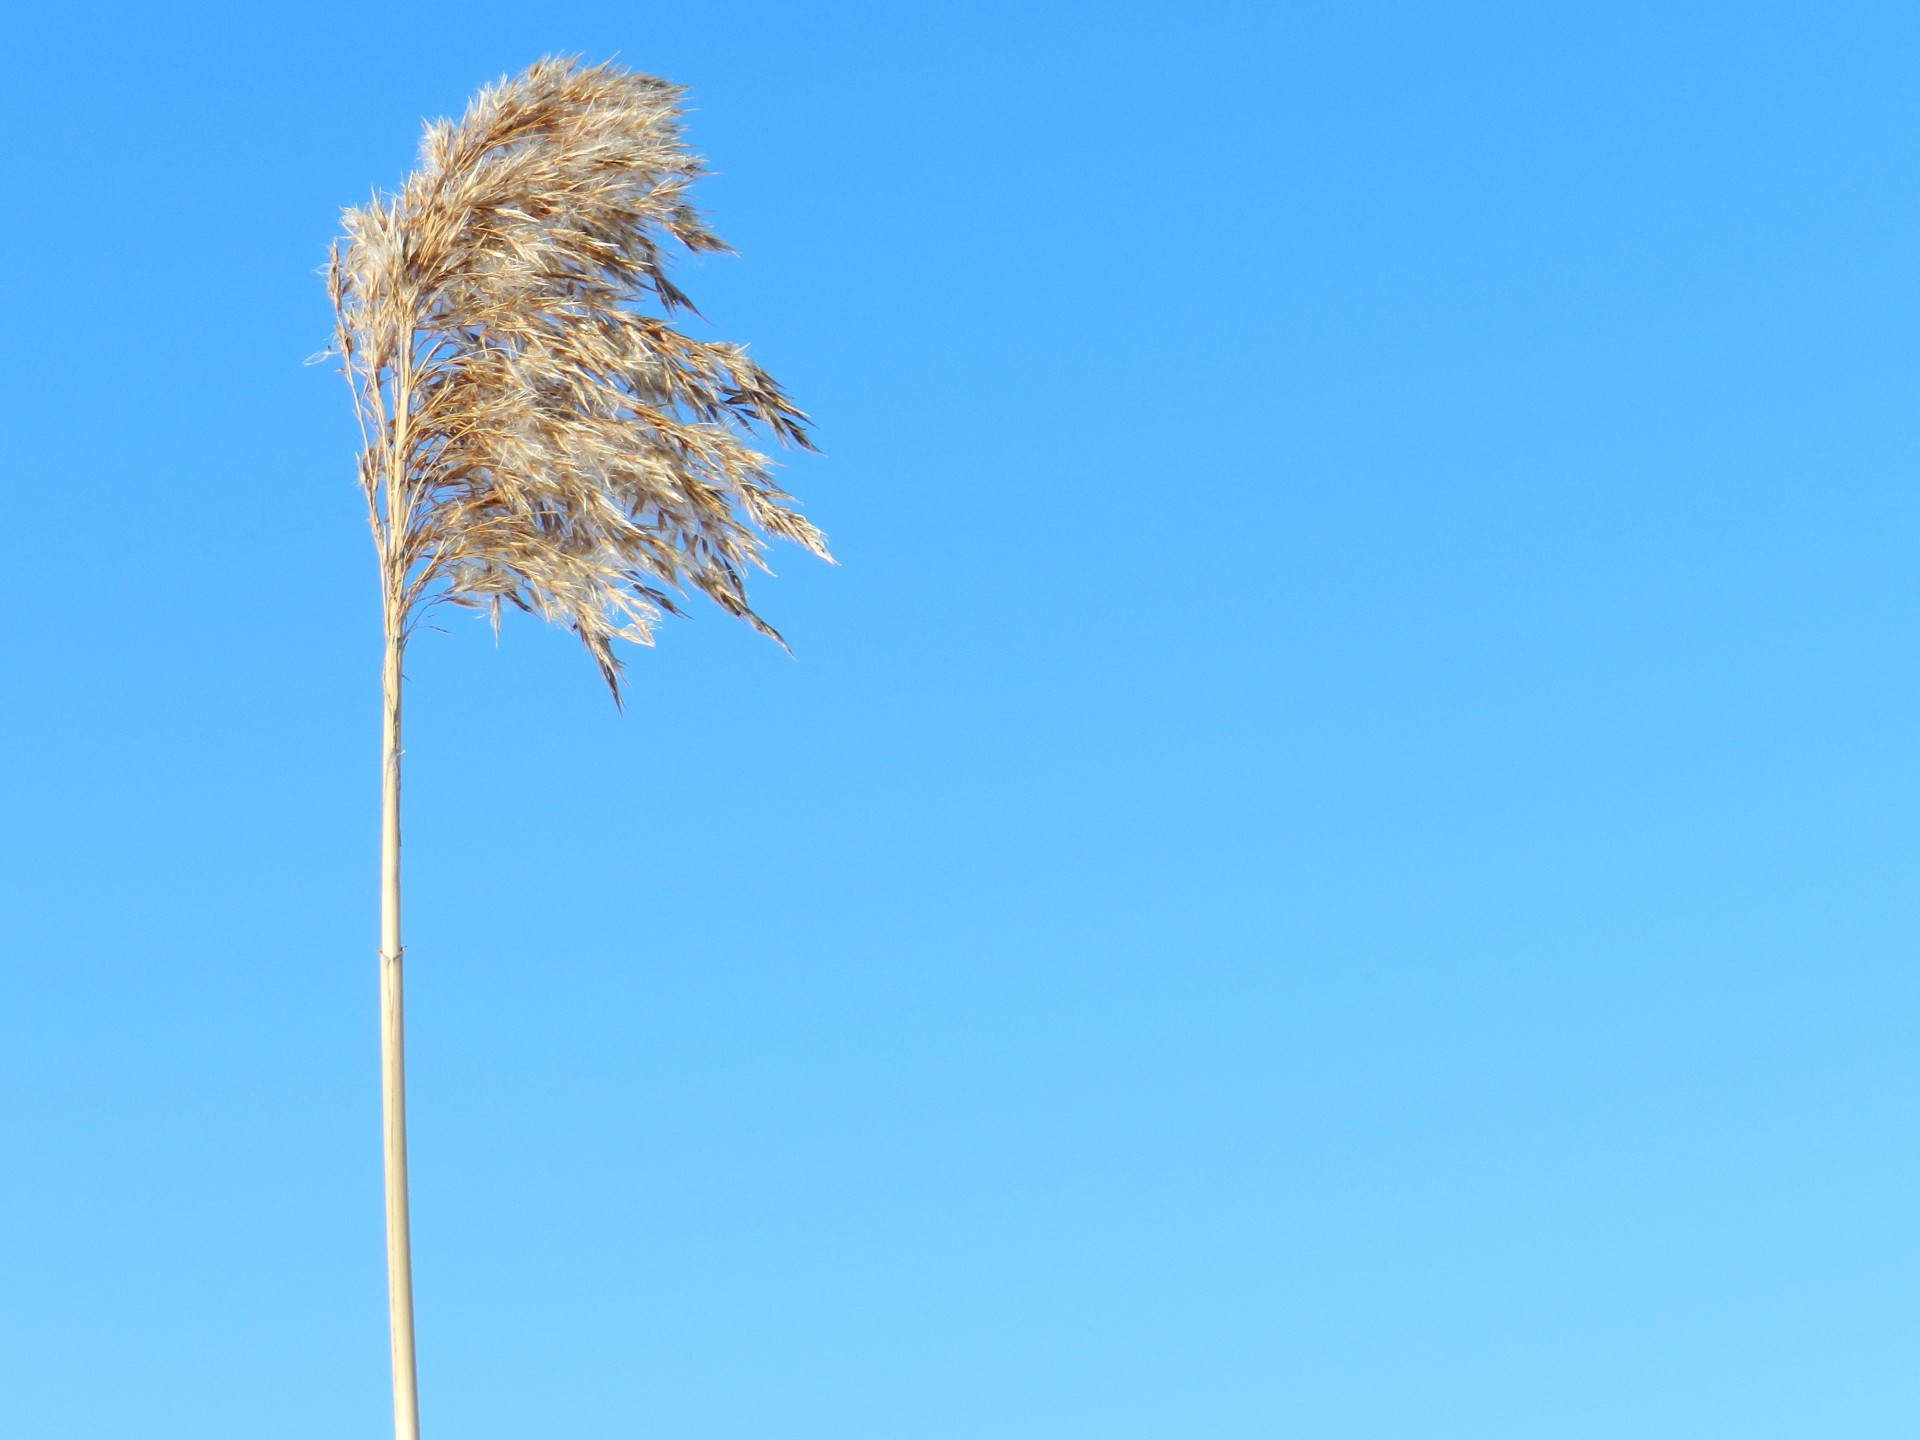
pixel 393 1061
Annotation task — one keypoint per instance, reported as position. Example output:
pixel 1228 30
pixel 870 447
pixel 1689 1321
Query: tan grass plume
pixel 536 432
pixel 534 435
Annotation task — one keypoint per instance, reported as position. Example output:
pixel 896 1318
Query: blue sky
pixel 1337 860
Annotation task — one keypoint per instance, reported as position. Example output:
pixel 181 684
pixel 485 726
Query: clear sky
pixel 1338 860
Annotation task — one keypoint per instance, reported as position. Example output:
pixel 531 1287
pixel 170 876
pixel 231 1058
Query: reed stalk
pixel 536 434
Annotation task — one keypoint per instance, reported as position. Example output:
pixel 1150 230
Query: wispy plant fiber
pixel 537 433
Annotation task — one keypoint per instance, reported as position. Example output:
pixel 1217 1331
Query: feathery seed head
pixel 537 432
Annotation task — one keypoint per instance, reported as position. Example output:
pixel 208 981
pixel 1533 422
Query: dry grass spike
pixel 537 434
pixel 534 436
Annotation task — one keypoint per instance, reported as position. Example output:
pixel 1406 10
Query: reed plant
pixel 537 434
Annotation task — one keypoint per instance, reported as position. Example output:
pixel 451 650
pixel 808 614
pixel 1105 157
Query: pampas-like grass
pixel 536 433
pixel 534 437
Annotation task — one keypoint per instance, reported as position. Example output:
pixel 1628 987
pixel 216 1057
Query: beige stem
pixel 393 1061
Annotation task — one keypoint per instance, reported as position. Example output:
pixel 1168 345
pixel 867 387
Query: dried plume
pixel 536 431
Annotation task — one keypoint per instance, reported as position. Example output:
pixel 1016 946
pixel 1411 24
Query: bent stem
pixel 393 1060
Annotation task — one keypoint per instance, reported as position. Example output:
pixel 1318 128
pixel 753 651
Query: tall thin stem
pixel 535 433
pixel 393 1059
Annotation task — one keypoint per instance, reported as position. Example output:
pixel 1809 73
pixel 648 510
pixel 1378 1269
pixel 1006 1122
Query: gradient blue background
pixel 1337 862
